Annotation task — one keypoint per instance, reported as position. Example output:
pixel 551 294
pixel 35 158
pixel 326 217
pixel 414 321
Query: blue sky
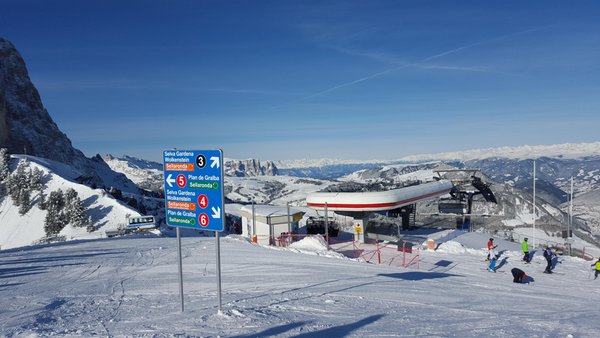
pixel 312 79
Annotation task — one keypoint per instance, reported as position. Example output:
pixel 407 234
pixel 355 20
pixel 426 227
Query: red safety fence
pixel 585 255
pixel 377 253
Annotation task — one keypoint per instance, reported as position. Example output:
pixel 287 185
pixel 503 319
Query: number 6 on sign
pixel 203 220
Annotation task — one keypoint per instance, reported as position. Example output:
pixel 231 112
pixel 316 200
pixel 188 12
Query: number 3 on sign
pixel 203 201
pixel 203 219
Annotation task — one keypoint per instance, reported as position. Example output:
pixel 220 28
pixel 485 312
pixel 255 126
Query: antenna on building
pixel 533 242
pixel 570 210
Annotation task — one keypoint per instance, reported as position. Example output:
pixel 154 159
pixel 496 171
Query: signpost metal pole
pixel 271 231
pixel 326 226
pixel 218 241
pixel 180 268
pixel 289 221
pixel 254 223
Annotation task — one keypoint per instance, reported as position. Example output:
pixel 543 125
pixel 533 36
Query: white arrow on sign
pixel 170 180
pixel 215 161
pixel 216 212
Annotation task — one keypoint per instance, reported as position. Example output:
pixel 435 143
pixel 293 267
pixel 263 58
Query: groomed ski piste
pixel 129 287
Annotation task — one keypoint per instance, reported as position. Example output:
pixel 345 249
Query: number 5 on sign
pixel 181 181
pixel 203 220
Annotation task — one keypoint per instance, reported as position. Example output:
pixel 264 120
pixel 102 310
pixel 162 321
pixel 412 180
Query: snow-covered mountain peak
pixel 565 151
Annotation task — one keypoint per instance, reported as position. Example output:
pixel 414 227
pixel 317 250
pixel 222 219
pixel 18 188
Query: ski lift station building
pixel 271 222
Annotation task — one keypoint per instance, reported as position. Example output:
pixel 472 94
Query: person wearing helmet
pixel 519 275
pixel 490 246
pixel 597 264
pixel 525 247
pixel 493 259
pixel 548 254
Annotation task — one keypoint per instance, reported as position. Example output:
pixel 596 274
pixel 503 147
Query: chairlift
pixel 452 206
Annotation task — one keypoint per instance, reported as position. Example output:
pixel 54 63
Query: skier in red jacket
pixel 490 246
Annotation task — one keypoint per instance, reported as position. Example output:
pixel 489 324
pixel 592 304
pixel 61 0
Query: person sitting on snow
pixel 597 264
pixel 518 275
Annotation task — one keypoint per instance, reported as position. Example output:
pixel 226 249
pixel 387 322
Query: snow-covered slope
pixel 146 174
pixel 16 230
pixel 587 207
pixel 129 288
pixel 277 190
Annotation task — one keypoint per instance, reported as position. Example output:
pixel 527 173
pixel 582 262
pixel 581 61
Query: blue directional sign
pixel 194 189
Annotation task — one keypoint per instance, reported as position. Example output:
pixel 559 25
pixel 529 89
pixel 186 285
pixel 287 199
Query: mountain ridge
pixel 561 150
pixel 27 128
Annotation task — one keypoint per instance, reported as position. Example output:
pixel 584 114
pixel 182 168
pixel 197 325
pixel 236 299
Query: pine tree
pixel 55 220
pixel 35 180
pixel 116 193
pixel 142 208
pixel 77 217
pixel 4 164
pixel 52 224
pixel 12 188
pixel 56 200
pixel 70 195
pixel 24 202
pixel 132 202
pixel 75 209
pixel 42 201
pixel 17 182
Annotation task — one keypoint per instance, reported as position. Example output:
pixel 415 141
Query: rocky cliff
pixel 27 128
pixel 250 167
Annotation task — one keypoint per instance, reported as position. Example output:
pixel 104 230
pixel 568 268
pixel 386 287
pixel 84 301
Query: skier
pixel 518 275
pixel 548 255
pixel 597 264
pixel 490 245
pixel 494 258
pixel 525 247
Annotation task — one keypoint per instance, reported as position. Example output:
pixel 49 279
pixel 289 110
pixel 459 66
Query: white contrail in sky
pixel 429 58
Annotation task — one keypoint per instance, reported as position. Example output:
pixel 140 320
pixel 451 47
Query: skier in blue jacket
pixel 494 258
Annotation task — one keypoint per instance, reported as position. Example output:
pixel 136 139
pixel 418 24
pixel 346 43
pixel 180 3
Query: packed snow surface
pixel 129 287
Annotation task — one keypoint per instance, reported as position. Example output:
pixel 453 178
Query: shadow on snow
pixel 418 275
pixel 336 331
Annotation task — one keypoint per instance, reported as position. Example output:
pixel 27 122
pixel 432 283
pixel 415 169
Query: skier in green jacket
pixel 597 264
pixel 525 247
